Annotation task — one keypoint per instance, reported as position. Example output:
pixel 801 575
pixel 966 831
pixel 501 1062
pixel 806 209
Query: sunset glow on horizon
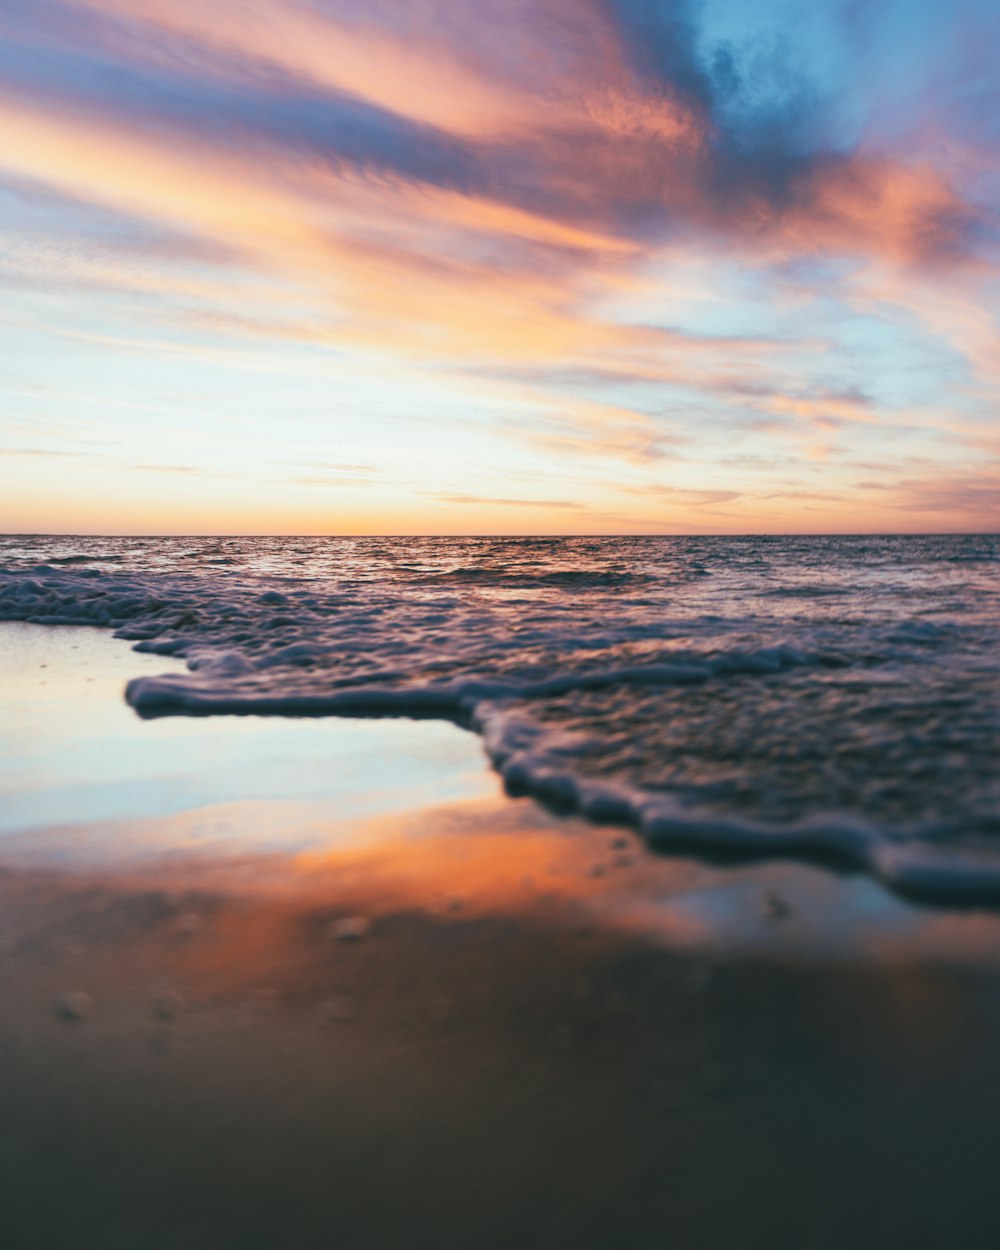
pixel 519 266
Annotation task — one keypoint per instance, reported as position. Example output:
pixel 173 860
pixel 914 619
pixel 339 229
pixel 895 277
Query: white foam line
pixel 922 873
pixel 227 681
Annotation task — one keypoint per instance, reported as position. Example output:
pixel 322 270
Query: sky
pixel 499 266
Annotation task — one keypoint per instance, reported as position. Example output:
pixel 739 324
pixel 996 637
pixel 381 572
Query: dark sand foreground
pixel 435 1017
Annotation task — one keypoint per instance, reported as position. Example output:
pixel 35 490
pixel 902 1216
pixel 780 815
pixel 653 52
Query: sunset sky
pixel 506 266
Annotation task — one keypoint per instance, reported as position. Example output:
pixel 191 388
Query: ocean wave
pixel 81 559
pixel 807 591
pixel 522 579
pixel 868 739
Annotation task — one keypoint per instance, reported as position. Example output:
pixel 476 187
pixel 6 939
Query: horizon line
pixel 539 534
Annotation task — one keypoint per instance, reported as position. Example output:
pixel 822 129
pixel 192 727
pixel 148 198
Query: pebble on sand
pixel 349 928
pixel 775 906
pixel 74 1005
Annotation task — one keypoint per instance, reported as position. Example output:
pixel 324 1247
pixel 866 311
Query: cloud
pixel 500 196
pixel 586 428
pixel 637 130
pixel 334 466
pixel 489 501
pixel 347 479
pixel 959 494
pixel 693 496
pixel 44 452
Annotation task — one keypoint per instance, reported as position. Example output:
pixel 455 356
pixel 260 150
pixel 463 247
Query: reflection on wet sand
pixel 394 1008
pixel 479 1025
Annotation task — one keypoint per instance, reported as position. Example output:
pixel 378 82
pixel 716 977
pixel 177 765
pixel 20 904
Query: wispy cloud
pixel 491 502
pixel 502 196
pixel 974 494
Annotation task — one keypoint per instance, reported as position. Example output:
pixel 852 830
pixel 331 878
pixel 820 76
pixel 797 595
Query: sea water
pixel 819 696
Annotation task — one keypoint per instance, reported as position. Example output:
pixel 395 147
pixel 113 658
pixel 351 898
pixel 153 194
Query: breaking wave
pixel 827 698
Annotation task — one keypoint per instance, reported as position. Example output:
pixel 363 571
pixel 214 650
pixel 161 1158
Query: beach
pixel 400 1007
pixel 499 604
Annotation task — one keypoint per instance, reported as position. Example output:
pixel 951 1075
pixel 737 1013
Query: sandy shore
pixel 297 984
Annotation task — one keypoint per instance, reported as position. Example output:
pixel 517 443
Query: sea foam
pixel 737 697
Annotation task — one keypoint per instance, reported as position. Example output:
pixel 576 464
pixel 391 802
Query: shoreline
pixel 457 1019
pixel 912 868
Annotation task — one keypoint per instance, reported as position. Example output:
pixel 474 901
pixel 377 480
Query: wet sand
pixel 296 984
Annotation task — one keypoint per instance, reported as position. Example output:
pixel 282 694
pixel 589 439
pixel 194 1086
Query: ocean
pixel 829 697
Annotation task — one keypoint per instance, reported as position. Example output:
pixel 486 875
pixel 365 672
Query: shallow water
pixel 539 1037
pixel 824 696
pixel 401 815
pixel 74 757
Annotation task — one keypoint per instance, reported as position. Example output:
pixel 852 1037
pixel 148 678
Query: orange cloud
pixel 905 213
pixel 510 268
pixel 417 79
